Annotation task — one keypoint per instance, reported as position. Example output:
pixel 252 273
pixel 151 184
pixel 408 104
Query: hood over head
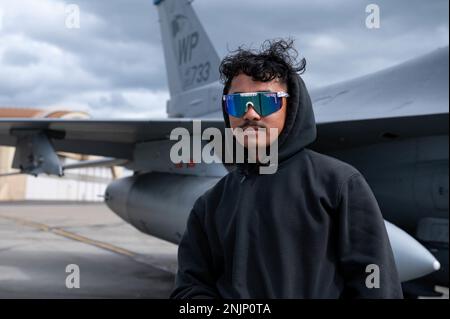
pixel 300 126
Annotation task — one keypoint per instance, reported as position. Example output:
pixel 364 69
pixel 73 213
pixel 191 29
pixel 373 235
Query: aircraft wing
pixel 38 140
pixel 110 138
pixel 338 135
pixel 404 101
pixel 416 87
pixel 117 138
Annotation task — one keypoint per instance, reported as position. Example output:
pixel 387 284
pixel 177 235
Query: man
pixel 309 230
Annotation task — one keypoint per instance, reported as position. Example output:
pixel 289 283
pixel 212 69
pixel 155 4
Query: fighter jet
pixel 391 125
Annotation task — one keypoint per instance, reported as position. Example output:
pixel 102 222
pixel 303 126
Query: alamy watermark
pixel 373 17
pixel 254 140
pixel 73 279
pixel 373 279
pixel 72 20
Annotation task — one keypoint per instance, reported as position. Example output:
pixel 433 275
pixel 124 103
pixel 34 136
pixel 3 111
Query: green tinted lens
pixel 270 103
pixel 244 100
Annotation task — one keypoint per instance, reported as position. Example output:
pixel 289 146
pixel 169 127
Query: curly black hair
pixel 276 59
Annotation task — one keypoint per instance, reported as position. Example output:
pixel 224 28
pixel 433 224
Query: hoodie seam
pixel 339 192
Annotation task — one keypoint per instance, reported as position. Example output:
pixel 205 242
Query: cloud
pixel 53 73
pixel 19 58
pixel 113 65
pixel 125 104
pixel 331 45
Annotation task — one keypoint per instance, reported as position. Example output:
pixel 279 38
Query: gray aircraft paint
pixel 132 198
pixel 191 60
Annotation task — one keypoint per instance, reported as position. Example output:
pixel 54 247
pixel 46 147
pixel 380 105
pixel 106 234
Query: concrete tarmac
pixel 39 240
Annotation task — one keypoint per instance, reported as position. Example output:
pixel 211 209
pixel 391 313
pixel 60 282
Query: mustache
pixel 251 123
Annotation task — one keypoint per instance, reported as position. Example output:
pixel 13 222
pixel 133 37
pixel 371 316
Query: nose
pixel 251 114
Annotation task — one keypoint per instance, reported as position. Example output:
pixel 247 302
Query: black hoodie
pixel 307 231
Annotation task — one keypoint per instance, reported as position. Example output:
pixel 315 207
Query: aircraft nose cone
pixel 411 258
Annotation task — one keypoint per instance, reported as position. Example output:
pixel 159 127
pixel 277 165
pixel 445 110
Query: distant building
pixel 84 184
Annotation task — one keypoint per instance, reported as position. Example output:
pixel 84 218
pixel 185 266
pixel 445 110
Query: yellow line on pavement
pixel 70 235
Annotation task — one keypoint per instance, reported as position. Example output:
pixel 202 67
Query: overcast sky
pixel 113 65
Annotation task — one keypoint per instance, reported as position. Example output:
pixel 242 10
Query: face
pixel 243 83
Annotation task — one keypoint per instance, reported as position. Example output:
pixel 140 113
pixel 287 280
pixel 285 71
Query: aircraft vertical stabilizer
pixel 191 59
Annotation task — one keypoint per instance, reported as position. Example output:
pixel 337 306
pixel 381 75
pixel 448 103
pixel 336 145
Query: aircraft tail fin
pixel 191 60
